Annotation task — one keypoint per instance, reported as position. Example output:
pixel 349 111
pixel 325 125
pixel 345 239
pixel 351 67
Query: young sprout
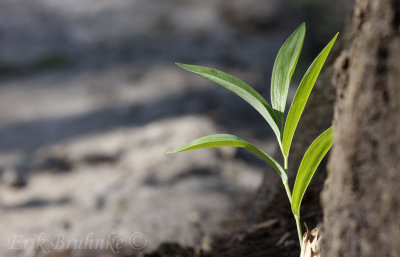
pixel 284 130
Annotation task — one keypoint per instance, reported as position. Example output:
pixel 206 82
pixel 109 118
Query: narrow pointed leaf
pixel 301 97
pixel 220 140
pixel 284 66
pixel 312 158
pixel 240 88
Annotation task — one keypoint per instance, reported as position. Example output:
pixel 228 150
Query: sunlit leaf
pixel 284 66
pixel 308 165
pixel 220 140
pixel 301 97
pixel 241 89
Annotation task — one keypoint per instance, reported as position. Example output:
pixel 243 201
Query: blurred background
pixel 91 101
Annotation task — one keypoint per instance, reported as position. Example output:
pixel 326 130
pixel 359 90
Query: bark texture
pixel 361 198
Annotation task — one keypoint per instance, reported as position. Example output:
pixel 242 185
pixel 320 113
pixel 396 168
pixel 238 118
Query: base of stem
pixel 299 233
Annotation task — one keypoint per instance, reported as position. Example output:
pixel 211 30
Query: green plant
pixel 284 67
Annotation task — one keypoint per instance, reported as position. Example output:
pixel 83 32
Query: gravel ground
pixel 90 102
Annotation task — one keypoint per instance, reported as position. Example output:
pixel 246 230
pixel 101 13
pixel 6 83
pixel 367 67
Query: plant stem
pixel 286 185
pixel 296 217
pixel 300 234
pixel 285 165
pixel 285 181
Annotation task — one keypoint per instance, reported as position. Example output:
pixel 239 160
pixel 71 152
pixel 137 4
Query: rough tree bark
pixel 361 198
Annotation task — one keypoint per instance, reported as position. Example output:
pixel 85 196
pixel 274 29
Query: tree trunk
pixel 361 198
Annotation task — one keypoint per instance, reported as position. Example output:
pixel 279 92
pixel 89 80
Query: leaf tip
pixel 334 38
pixel 188 67
pixel 180 64
pixel 174 151
pixel 302 29
pixel 336 35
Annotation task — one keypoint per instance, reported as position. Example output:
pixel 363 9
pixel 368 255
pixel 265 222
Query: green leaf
pixel 285 64
pixel 301 97
pixel 308 165
pixel 241 89
pixel 220 140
